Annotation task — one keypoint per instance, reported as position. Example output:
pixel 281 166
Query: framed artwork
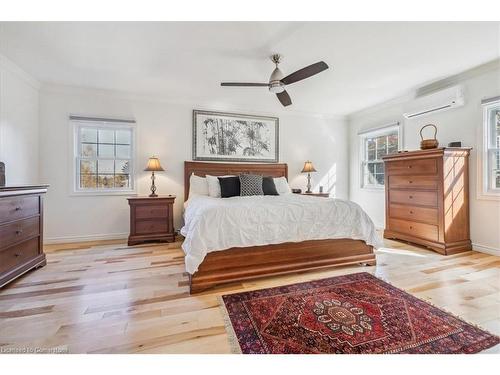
pixel 219 136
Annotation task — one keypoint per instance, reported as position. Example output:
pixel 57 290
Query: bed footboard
pixel 239 264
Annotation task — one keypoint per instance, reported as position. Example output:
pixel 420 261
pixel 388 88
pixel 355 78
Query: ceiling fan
pixel 277 81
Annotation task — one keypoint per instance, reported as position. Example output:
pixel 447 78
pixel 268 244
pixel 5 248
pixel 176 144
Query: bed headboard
pixel 220 169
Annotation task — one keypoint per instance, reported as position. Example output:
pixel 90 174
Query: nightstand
pixel 322 195
pixel 151 219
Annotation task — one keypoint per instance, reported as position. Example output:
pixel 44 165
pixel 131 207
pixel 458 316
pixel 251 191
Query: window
pixel 491 148
pixel 103 153
pixel 374 145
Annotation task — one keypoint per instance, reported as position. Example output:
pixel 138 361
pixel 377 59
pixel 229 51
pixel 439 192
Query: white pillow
pixel 214 185
pixel 282 186
pixel 197 185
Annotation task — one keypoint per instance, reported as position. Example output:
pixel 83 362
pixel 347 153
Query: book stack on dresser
pixel 427 198
pixel 21 230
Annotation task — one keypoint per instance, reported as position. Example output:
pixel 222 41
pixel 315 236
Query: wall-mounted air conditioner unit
pixel 442 100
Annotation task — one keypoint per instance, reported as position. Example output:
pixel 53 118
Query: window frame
pixel 101 124
pixel 363 152
pixel 486 188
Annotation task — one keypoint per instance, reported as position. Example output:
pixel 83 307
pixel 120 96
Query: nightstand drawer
pixel 413 182
pixel 18 231
pixel 14 208
pixel 413 197
pixel 151 226
pixel 321 195
pixel 151 212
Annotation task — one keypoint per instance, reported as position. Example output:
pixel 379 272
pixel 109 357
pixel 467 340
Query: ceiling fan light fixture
pixel 276 87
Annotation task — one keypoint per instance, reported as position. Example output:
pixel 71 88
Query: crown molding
pixel 458 78
pixel 191 103
pixel 429 88
pixel 10 66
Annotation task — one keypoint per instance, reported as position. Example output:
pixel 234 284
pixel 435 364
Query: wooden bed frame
pixel 243 263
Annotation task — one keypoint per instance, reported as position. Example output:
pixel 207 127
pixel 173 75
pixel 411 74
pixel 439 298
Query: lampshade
pixel 308 167
pixel 154 165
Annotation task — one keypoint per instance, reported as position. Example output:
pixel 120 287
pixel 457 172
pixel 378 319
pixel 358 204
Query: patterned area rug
pixel 350 314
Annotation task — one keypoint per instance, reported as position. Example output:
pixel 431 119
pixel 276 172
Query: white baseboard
pixel 486 249
pixel 91 237
pixel 119 236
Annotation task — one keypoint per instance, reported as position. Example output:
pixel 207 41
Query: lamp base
pixel 153 186
pixel 308 191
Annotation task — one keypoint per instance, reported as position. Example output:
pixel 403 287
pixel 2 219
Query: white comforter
pixel 213 224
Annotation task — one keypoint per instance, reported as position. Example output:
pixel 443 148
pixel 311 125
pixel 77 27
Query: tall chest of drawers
pixel 21 230
pixel 427 198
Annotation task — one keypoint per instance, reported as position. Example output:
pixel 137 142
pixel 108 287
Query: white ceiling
pixel 369 62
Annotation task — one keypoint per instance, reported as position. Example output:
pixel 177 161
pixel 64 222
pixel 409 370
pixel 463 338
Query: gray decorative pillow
pixel 250 184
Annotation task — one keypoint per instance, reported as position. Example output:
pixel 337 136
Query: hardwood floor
pixel 110 298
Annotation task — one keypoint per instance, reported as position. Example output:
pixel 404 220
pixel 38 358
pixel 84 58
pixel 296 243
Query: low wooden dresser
pixel 21 230
pixel 427 198
pixel 151 219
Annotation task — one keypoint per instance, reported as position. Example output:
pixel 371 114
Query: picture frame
pixel 234 137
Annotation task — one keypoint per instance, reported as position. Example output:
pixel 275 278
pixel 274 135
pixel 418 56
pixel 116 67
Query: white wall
pixel 18 124
pixel 35 145
pixel 163 129
pixel 461 124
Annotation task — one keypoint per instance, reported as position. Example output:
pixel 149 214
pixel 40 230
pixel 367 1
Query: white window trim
pixel 373 132
pixel 76 122
pixel 484 191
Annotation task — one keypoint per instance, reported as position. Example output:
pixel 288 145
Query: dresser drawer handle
pixel 411 212
pixel 17 255
pixel 411 227
pixel 411 196
pixel 410 166
pixel 19 231
pixel 18 208
pixel 411 182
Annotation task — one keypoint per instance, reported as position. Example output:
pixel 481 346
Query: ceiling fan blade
pixel 284 98
pixel 304 73
pixel 244 84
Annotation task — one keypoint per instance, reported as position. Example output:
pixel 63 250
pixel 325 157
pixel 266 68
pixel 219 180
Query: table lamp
pixel 308 168
pixel 153 166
